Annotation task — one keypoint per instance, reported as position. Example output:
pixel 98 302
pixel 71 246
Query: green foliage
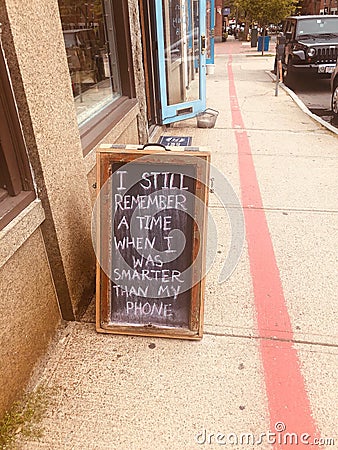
pixel 267 11
pixel 23 420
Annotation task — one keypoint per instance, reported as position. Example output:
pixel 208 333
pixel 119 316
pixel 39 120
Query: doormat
pixel 178 141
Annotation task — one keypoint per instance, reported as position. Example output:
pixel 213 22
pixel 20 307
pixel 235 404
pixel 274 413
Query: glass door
pixel 181 35
pixel 210 32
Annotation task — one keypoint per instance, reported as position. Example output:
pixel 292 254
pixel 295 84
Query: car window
pixel 289 27
pixel 318 26
pixel 286 26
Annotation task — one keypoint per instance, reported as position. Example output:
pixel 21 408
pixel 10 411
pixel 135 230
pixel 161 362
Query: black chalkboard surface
pixel 151 225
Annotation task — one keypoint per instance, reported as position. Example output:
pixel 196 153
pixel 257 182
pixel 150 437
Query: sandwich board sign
pixel 150 240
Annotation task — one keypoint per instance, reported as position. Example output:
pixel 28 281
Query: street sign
pixel 181 141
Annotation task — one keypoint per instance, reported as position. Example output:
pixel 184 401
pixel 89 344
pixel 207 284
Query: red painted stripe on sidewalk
pixel 287 397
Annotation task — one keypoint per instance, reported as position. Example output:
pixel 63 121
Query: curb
pixel 303 107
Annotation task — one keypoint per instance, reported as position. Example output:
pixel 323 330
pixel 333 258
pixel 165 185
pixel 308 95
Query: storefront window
pixel 16 184
pixel 89 35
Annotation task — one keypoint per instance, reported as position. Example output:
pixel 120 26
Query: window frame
pixel 93 130
pixel 14 165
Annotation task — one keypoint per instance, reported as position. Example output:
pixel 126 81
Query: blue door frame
pixel 185 109
pixel 211 33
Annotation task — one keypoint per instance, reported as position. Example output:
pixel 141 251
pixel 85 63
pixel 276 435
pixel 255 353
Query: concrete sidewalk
pixel 136 393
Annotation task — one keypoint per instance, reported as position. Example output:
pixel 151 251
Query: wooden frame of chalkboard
pixel 151 223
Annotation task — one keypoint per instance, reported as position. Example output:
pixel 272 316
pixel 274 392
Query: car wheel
pixel 288 75
pixel 334 101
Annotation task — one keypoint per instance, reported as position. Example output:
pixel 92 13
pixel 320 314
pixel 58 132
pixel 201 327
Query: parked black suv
pixel 311 46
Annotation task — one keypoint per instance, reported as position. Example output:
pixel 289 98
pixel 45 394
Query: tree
pixel 265 12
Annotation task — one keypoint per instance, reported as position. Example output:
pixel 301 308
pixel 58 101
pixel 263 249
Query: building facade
pixel 316 7
pixel 75 74
pixel 328 7
pixel 58 102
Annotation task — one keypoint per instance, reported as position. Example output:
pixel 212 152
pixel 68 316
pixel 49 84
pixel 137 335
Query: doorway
pixel 174 45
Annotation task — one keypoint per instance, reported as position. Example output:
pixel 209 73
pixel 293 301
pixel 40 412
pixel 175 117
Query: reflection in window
pixel 208 27
pixel 318 26
pixel 91 54
pixel 175 30
pixel 182 50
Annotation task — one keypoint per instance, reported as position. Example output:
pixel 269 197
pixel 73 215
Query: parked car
pixel 334 90
pixel 311 46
